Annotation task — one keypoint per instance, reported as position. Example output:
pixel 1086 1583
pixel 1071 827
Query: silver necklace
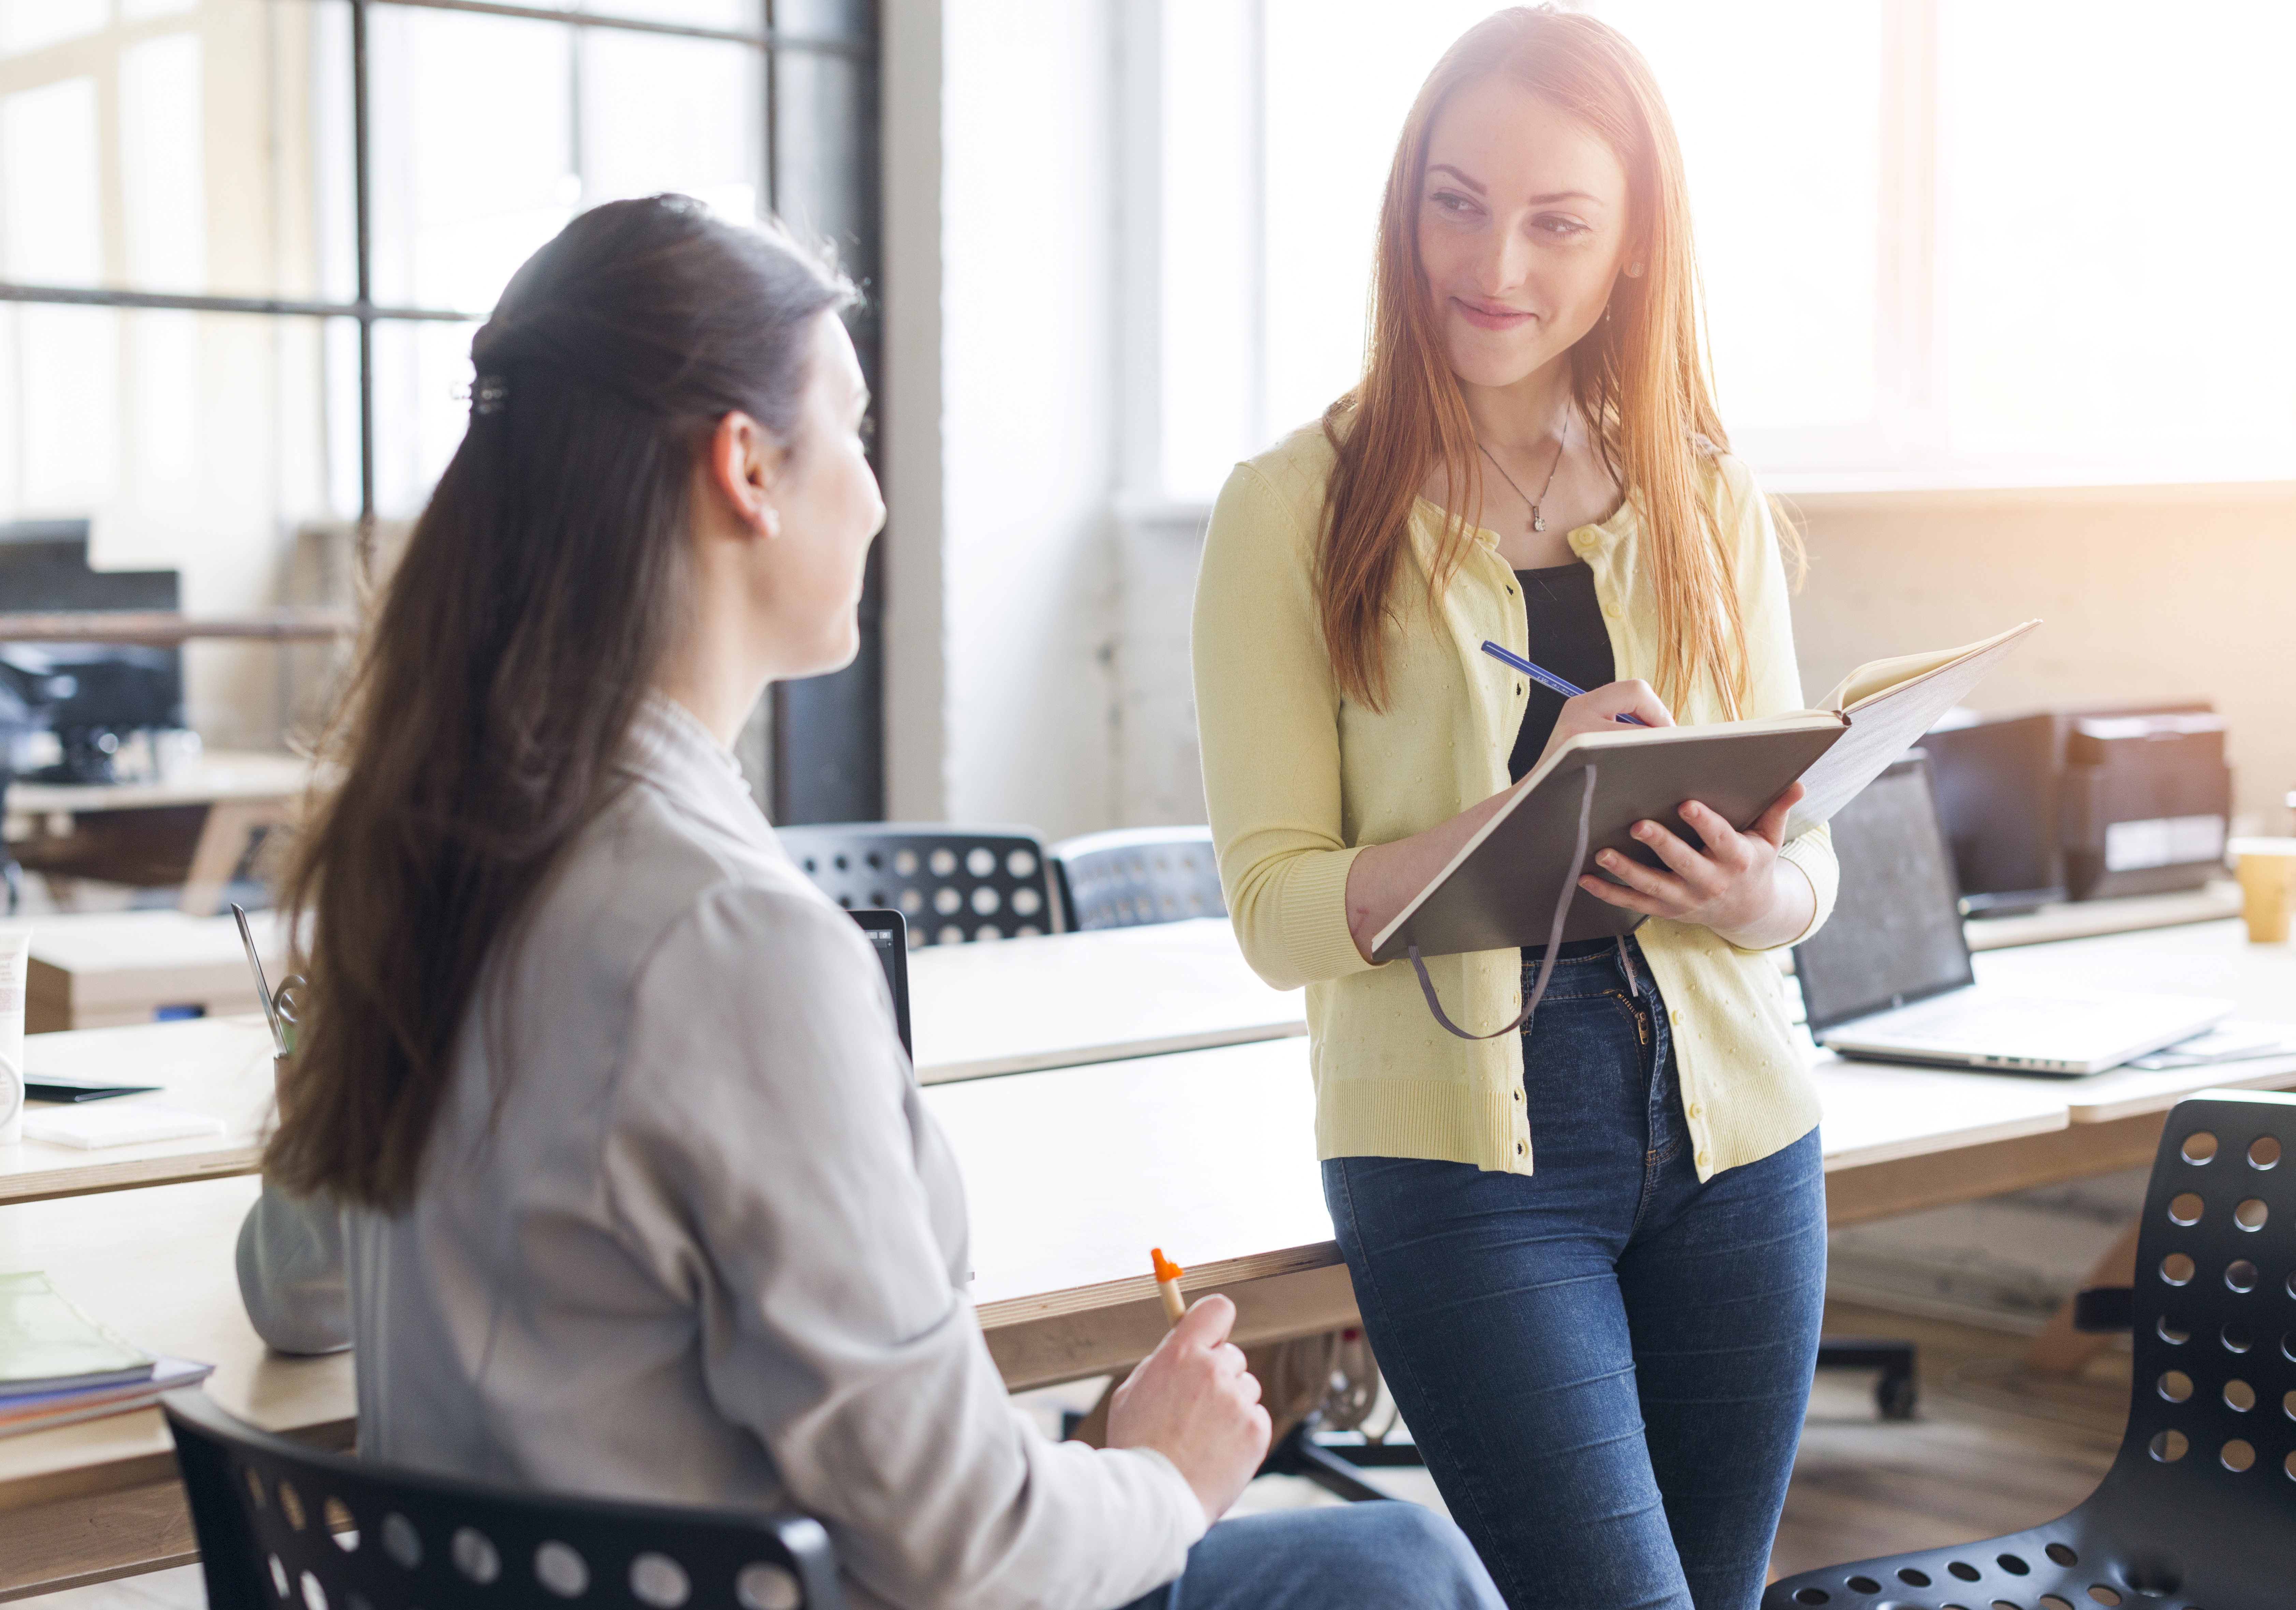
pixel 1538 519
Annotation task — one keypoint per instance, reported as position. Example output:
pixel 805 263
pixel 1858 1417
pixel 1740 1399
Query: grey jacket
pixel 710 1247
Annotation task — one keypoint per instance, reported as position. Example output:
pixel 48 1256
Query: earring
pixel 1634 270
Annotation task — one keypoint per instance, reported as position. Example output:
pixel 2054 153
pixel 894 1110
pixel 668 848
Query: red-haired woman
pixel 1605 1361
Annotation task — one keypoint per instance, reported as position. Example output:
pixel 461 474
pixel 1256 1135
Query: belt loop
pixel 1627 961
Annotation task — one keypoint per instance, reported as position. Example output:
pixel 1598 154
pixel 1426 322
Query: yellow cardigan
pixel 1300 779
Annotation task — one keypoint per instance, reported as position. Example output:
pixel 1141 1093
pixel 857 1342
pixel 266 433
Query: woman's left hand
pixel 1736 887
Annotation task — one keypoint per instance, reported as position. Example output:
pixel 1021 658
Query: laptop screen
pixel 889 932
pixel 1895 935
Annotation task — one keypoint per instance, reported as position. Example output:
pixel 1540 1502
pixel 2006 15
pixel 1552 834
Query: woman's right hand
pixel 1193 1402
pixel 1598 709
pixel 1384 878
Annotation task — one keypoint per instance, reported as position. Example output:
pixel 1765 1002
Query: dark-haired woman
pixel 1604 1361
pixel 600 1146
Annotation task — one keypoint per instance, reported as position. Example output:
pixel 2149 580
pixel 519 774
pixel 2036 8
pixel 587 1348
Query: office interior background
pixel 1996 288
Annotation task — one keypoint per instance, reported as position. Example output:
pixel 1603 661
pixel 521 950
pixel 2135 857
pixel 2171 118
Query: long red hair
pixel 1638 377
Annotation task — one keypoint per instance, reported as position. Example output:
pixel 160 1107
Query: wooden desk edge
pixel 1097 1330
pixel 45 1185
pixel 1881 1190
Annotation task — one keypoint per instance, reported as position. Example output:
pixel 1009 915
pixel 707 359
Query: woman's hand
pixel 1193 1402
pixel 1385 877
pixel 1598 709
pixel 1736 886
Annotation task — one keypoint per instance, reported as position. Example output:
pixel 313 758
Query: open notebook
pixel 1502 889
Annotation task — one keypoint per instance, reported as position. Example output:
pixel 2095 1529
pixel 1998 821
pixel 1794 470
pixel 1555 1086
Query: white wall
pixel 2145 591
pixel 1025 431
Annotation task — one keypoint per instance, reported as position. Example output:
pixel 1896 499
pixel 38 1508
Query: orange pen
pixel 1167 1284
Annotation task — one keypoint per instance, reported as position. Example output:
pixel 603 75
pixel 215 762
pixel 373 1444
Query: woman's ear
pixel 745 463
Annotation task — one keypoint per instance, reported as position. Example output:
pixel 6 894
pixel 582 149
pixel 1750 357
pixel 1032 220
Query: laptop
pixel 1888 977
pixel 889 934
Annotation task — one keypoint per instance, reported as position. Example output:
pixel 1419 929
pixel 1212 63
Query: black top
pixel 1567 637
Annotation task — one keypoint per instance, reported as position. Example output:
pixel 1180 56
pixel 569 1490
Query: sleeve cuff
pixel 1798 853
pixel 1315 916
pixel 1190 1506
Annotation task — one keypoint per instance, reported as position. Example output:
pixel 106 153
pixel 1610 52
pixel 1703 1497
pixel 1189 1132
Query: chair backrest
pixel 282 1526
pixel 952 884
pixel 2200 1504
pixel 1136 875
pixel 2211 1439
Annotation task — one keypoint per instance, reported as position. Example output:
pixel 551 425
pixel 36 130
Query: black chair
pixel 1136 875
pixel 282 1526
pixel 952 884
pixel 2199 1509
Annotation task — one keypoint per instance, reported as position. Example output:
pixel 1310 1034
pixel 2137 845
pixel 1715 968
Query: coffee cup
pixel 2268 886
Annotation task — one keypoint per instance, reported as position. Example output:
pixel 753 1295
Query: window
pixel 1966 239
pixel 244 244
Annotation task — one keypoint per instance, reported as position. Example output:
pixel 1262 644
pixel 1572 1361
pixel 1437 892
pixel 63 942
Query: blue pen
pixel 1546 679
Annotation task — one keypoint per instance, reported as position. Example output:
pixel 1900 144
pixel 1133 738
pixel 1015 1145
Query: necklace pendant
pixel 1537 520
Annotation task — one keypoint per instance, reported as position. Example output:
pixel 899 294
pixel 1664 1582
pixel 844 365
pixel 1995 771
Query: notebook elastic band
pixel 1554 934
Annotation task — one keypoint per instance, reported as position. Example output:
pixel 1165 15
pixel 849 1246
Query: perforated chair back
pixel 1136 875
pixel 2199 1509
pixel 953 884
pixel 282 1526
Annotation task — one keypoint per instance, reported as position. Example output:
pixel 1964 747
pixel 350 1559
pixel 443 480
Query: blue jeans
pixel 1605 1363
pixel 1364 1557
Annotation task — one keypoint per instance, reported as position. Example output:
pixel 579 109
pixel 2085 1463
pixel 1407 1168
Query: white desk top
pixel 89 943
pixel 220 775
pixel 1063 999
pixel 217 1065
pixel 1207 1153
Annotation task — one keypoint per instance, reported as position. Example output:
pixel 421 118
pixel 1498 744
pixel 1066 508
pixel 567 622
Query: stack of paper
pixel 2226 1042
pixel 58 1366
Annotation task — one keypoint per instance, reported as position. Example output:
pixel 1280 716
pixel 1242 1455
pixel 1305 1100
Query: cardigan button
pixel 1518 1095
pixel 1520 1148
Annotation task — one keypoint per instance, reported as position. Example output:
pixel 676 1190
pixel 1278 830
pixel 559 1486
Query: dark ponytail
pixel 528 616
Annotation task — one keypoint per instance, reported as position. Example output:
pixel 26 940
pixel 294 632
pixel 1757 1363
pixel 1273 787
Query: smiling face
pixel 1522 230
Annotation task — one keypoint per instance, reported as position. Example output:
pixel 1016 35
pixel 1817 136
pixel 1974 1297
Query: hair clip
pixel 491 395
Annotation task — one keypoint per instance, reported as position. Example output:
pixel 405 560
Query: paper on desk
pixel 2226 1042
pixel 118 1123
pixel 50 1409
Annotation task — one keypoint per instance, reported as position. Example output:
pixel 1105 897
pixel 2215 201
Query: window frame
pixel 826 735
pixel 1905 443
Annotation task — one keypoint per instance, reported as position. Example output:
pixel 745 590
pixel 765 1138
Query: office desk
pixel 219 775
pixel 191 830
pixel 98 969
pixel 101 1499
pixel 217 1065
pixel 1209 1153
pixel 1021 1005
pixel 1080 999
